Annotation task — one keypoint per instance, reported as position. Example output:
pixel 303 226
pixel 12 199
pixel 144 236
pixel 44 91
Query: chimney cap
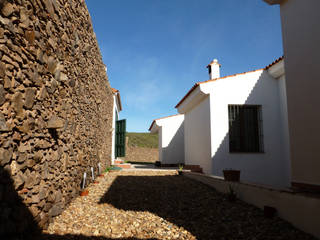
pixel 214 61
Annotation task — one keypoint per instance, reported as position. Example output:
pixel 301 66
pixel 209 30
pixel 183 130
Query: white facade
pixel 207 126
pixel 116 109
pixel 301 37
pixel 197 136
pixel 171 138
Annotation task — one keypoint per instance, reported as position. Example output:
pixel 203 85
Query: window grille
pixel 245 128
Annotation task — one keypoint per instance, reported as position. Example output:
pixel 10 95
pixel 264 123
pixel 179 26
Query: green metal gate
pixel 120 138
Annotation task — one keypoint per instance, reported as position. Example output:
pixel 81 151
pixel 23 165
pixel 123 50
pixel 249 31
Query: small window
pixel 209 69
pixel 245 128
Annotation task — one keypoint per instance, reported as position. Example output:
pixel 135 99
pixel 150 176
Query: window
pixel 245 128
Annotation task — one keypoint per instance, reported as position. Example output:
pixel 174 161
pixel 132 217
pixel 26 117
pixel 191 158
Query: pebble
pixel 163 205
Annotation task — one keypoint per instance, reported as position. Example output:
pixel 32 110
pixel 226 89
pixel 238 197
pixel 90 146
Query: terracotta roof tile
pixel 274 62
pixel 114 90
pixel 212 80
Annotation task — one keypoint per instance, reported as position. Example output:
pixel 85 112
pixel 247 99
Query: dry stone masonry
pixel 55 108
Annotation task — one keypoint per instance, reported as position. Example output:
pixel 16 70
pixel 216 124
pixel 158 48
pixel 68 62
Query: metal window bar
pixel 245 128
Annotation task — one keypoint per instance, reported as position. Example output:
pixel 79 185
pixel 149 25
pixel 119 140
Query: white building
pixel 239 122
pixel 171 138
pixel 117 107
pixel 301 37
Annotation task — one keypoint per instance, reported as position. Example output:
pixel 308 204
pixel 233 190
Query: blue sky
pixel 155 50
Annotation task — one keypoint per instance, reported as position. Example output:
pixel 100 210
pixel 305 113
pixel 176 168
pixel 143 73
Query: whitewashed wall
pixel 285 126
pixel 258 88
pixel 115 112
pixel 172 138
pixel 301 38
pixel 197 136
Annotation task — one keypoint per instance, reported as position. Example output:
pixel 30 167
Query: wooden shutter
pixel 120 138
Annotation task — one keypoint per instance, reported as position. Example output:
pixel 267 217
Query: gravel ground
pixel 162 205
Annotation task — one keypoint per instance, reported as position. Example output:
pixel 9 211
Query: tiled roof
pixel 233 75
pixel 274 62
pixel 114 90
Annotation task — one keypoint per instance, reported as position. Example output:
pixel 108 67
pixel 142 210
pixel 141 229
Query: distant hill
pixel 147 140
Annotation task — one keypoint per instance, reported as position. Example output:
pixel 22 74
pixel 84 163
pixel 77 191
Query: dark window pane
pixel 245 133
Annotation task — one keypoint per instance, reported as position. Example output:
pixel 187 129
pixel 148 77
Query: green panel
pixel 120 138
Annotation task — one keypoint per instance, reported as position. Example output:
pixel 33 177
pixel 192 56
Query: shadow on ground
pixel 82 237
pixel 197 208
pixel 18 223
pixel 194 206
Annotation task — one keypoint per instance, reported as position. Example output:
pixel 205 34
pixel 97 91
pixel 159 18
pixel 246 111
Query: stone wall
pixel 141 154
pixel 54 100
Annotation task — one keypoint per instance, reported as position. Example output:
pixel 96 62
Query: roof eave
pixel 273 2
pixel 154 128
pixel 194 97
pixel 277 69
pixel 119 101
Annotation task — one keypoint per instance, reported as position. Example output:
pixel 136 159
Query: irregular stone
pixel 22 158
pixel 43 94
pixel 40 55
pixel 65 37
pixel 7 9
pixel 36 79
pixel 1 34
pixel 40 123
pixel 5 21
pixel 7 82
pixel 49 7
pixel 55 122
pixel 24 148
pixel 8 59
pixel 43 144
pixel 29 97
pixel 17 58
pixel 25 128
pixel 3 125
pixel 24 18
pixel 58 196
pixel 42 193
pixel 30 36
pixel 55 210
pixel 35 198
pixel 54 85
pixel 2 70
pixel 30 163
pixel 47 206
pixel 14 167
pixel 5 156
pixel 16 136
pixel 34 210
pixel 63 77
pixel 17 102
pixel 52 64
pixel 52 43
pixel 18 180
pixel 72 83
pixel 2 95
pixel 37 157
pixel 31 180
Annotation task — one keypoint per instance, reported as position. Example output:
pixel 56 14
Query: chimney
pixel 214 69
